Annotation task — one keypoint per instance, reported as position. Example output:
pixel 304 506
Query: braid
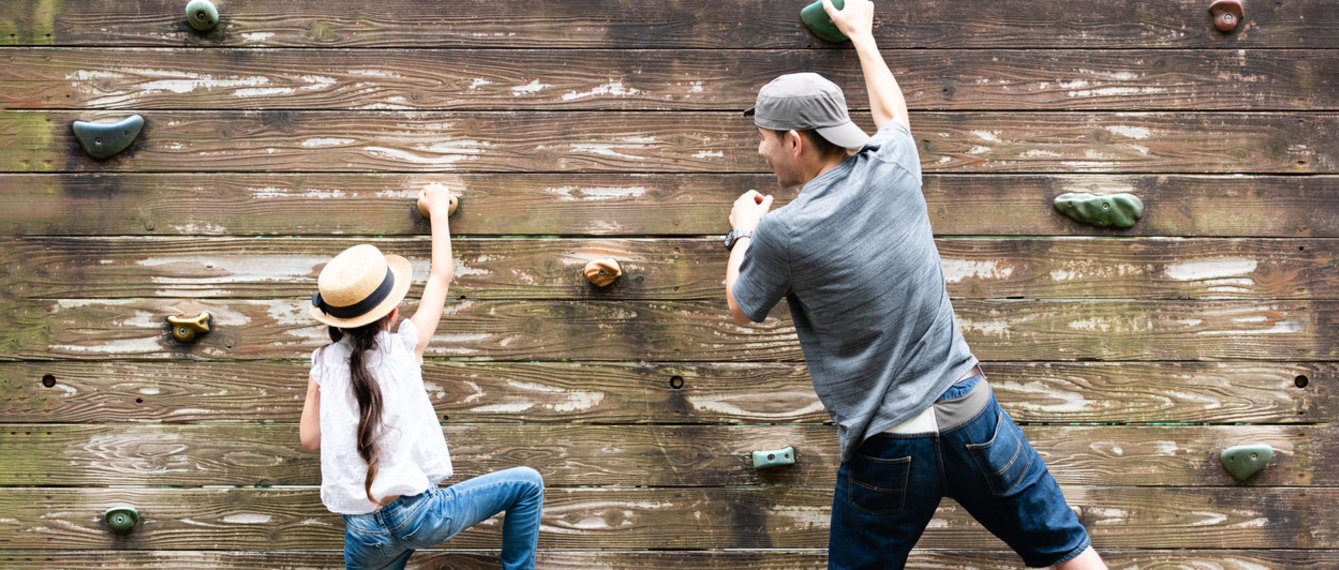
pixel 368 393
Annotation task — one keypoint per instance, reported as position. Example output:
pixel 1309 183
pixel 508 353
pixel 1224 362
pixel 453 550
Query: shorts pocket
pixel 1005 458
pixel 877 486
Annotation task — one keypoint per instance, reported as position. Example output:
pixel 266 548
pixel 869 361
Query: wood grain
pixel 639 79
pixel 665 268
pixel 768 559
pixel 630 204
pixel 677 330
pixel 648 23
pixel 619 141
pixel 1240 519
pixel 711 393
pixel 657 456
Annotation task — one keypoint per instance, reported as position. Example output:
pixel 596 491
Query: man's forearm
pixel 885 96
pixel 732 275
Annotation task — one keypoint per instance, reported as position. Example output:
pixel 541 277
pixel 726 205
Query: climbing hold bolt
pixel 202 15
pixel 776 458
pixel 184 329
pixel 1119 210
pixel 121 519
pixel 105 140
pixel 1243 461
pixel 1226 14
pixel 818 21
pixel 602 272
pixel 450 211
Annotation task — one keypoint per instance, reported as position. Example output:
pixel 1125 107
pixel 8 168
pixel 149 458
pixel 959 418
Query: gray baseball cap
pixel 804 101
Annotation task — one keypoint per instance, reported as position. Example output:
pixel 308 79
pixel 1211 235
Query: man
pixel 855 259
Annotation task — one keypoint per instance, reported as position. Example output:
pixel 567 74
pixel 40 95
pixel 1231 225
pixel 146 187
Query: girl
pixel 384 452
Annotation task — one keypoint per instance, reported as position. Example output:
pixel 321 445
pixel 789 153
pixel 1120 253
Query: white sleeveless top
pixel 413 450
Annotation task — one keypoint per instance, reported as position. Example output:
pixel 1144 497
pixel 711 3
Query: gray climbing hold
pixel 105 140
pixel 1114 210
pixel 1243 461
pixel 202 15
pixel 766 459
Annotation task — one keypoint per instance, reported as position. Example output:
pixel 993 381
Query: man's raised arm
pixel 856 20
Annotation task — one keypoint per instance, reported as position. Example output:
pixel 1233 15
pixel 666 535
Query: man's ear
pixel 796 141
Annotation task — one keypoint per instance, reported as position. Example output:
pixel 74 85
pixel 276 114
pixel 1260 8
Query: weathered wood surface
pixel 649 23
pixel 713 393
pixel 612 204
pixel 659 456
pixel 636 205
pixel 769 559
pixel 1097 268
pixel 677 330
pixel 624 141
pixel 1052 80
pixel 697 518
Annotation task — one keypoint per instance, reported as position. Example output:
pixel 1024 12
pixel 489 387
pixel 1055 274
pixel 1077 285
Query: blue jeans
pixel 386 538
pixel 887 492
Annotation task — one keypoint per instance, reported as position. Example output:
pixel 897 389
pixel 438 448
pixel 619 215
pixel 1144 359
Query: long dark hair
pixel 365 388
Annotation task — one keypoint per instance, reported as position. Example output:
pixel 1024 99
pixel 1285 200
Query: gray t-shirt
pixel 855 259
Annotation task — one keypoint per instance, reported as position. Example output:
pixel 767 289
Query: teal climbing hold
pixel 1243 461
pixel 121 519
pixel 202 15
pixel 105 140
pixel 1114 210
pixel 818 21
pixel 766 459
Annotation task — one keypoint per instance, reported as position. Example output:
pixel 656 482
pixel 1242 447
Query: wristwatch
pixel 734 236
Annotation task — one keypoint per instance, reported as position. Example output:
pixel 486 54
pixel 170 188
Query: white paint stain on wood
pixel 597 193
pixel 321 142
pixel 613 87
pixel 529 88
pixel 1212 269
pixel 709 154
pixel 1137 133
pixel 956 270
pixel 247 518
pixel 988 136
pixel 257 37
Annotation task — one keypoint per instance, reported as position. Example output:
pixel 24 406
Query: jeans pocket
pixel 1005 458
pixel 876 485
pixel 366 547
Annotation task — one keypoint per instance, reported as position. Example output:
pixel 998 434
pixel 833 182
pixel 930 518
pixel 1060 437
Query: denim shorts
pixel 889 490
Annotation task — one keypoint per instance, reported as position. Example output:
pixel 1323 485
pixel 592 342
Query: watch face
pixel 730 239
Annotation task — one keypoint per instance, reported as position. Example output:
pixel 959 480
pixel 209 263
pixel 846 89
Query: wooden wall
pixel 579 129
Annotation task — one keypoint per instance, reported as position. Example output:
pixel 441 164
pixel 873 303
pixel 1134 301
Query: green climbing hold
pixel 1243 461
pixel 121 519
pixel 1114 210
pixel 202 15
pixel 105 140
pixel 820 24
pixel 765 459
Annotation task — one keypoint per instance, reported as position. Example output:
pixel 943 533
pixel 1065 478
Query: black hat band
pixel 361 307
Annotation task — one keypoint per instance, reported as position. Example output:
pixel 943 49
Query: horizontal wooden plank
pixel 647 23
pixel 677 330
pixel 661 456
pixel 768 559
pixel 624 141
pixel 1087 79
pixel 603 393
pixel 1097 268
pixel 610 204
pixel 774 517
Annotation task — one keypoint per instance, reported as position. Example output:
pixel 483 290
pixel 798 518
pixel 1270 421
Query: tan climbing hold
pixel 184 329
pixel 602 272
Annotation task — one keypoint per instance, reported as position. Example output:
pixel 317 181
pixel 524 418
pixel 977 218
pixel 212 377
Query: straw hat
pixel 359 286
